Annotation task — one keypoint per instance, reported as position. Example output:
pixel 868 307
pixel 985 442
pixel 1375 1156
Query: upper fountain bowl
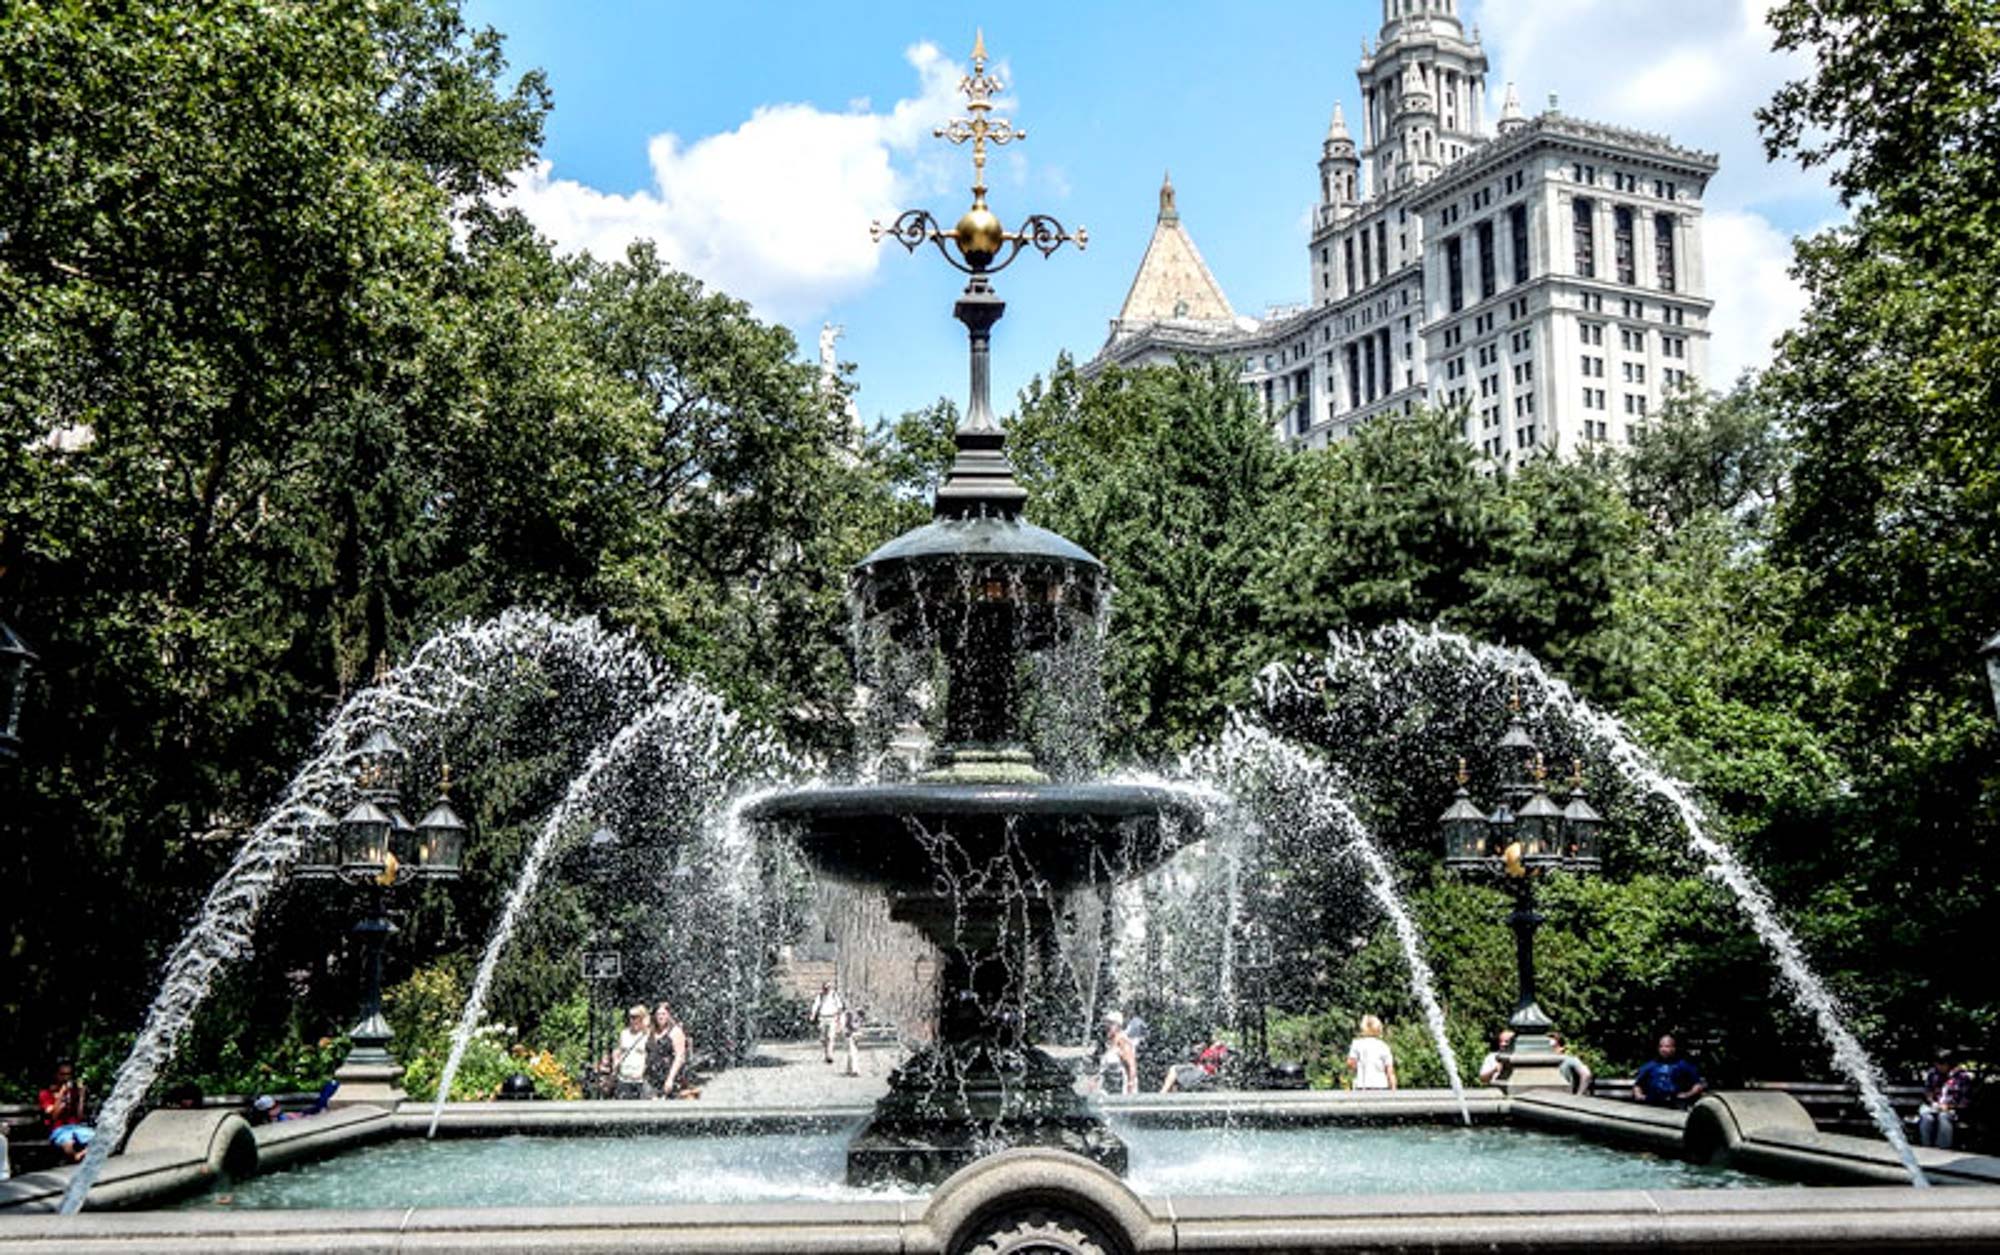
pixel 1048 580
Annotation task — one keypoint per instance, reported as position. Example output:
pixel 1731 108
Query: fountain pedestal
pixel 982 1087
pixel 974 869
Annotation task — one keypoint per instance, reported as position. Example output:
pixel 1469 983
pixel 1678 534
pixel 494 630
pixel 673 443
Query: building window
pixel 1454 270
pixel 1353 375
pixel 1663 250
pixel 1488 276
pixel 1382 246
pixel 1522 340
pixel 1347 250
pixel 1591 332
pixel 1584 230
pixel 1621 244
pixel 1517 226
pixel 1593 367
pixel 1631 341
pixel 1368 364
pixel 1367 263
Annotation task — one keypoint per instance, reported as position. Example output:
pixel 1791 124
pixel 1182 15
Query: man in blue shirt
pixel 1668 1081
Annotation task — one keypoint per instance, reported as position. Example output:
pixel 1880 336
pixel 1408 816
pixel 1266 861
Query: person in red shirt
pixel 62 1107
pixel 1207 1062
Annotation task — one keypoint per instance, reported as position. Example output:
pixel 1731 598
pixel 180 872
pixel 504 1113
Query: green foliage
pixel 423 1012
pixel 283 394
pixel 1170 477
pixel 1890 389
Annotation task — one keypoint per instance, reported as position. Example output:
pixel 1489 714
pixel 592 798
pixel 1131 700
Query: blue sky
pixel 755 142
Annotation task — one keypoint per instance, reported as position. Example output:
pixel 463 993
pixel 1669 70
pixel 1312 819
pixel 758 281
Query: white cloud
pixel 1756 298
pixel 1696 70
pixel 726 208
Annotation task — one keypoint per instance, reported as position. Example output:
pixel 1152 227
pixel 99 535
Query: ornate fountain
pixel 978 852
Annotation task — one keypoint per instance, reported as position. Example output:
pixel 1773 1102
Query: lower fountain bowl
pixel 900 837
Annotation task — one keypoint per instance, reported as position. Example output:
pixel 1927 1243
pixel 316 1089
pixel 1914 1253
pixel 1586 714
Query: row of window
pixel 1583 237
pixel 1484 241
pixel 1663 189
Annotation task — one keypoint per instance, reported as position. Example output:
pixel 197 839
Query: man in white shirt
pixel 829 1013
pixel 1489 1067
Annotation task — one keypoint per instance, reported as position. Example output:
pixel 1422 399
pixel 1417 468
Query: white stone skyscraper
pixel 1543 280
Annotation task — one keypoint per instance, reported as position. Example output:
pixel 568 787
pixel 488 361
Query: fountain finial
pixel 981 480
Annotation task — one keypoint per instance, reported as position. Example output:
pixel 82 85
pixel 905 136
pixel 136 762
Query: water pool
pixel 750 1168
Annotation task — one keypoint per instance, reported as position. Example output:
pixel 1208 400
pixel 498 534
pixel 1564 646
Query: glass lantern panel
pixel 364 836
pixel 1539 829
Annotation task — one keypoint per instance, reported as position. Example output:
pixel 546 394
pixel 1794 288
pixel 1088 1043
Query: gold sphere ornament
pixel 1510 860
pixel 979 236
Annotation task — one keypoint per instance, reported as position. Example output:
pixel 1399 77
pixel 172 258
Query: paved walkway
pixel 794 1075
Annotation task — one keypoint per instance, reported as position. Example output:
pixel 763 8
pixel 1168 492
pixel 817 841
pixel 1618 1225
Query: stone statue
pixel 829 333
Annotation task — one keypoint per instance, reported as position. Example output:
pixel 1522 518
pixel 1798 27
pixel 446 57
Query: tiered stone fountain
pixel 975 851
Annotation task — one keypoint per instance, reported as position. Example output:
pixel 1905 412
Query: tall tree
pixel 1891 385
pixel 1170 476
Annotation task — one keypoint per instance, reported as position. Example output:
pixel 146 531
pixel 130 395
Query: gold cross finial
pixel 980 88
pixel 983 242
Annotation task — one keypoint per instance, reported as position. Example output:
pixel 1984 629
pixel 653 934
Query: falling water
pixel 1251 759
pixel 419 699
pixel 1403 648
pixel 698 744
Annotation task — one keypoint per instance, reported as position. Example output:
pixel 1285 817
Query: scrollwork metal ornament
pixel 983 247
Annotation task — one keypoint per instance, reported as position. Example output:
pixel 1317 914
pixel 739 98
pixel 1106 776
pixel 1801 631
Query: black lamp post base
pixel 1531 1069
pixel 366 1082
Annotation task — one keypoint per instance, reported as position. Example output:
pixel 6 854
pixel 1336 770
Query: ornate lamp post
pixel 1524 838
pixel 16 661
pixel 376 850
pixel 603 963
pixel 1253 992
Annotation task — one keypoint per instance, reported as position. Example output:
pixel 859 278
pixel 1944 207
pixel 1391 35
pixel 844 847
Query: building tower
pixel 1339 168
pixel 1511 117
pixel 1416 127
pixel 1421 91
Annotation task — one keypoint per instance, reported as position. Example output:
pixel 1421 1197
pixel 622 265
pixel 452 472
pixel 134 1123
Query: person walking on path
pixel 1669 1080
pixel 829 1015
pixel 1370 1059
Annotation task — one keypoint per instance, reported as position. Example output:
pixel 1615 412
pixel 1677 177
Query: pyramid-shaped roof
pixel 1173 281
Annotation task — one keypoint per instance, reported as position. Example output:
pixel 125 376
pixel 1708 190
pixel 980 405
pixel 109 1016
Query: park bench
pixel 28 1148
pixel 1835 1106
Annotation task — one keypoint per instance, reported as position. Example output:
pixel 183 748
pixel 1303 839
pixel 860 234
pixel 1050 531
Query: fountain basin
pixel 1210 1173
